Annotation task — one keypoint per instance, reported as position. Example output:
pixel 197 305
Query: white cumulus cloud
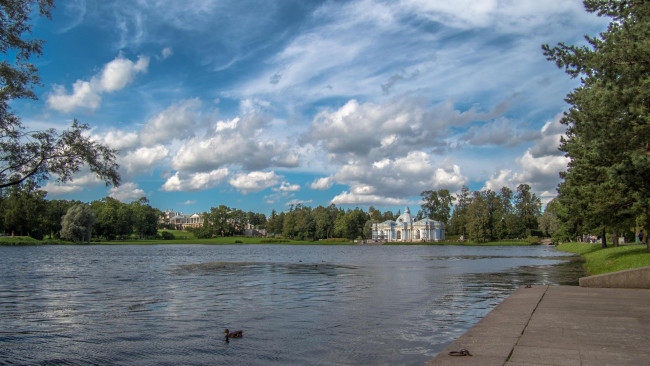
pixel 127 192
pixel 287 187
pixel 118 139
pixel 114 76
pixel 144 158
pixel 254 181
pixel 322 183
pixel 196 181
pixel 79 182
pixel 178 121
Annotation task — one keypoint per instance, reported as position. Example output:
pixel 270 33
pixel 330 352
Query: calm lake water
pixel 302 305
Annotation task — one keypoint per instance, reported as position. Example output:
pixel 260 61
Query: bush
pixel 533 239
pixel 36 234
pixel 166 235
pixel 239 241
pixel 337 240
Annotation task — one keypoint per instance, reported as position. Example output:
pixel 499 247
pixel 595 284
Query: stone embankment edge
pixel 492 340
pixel 630 278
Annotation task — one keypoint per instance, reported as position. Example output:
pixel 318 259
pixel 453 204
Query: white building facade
pixel 407 229
pixel 182 221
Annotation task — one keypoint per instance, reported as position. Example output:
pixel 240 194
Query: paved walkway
pixel 559 325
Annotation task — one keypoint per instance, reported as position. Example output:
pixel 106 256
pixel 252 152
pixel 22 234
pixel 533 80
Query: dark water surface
pixel 301 305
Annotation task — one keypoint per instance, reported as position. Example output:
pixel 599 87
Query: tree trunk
pixel 615 238
pixel 604 238
pixel 647 228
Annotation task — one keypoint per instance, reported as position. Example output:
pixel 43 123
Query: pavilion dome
pixel 406 217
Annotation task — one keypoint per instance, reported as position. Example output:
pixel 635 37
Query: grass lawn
pixel 178 234
pixel 612 259
pixel 19 240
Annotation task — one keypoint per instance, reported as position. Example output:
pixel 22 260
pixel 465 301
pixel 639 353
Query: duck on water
pixel 234 334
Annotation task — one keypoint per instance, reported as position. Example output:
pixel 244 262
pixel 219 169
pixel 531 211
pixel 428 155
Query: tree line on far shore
pixel 478 216
pixel 25 211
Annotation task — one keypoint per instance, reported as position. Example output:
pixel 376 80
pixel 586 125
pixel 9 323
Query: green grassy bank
pixel 600 260
pixel 19 240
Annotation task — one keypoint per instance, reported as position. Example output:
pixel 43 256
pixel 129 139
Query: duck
pixel 235 334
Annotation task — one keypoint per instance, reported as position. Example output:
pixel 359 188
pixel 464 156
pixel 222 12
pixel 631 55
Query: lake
pixel 301 305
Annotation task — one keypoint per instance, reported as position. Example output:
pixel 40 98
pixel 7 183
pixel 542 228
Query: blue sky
pixel 262 104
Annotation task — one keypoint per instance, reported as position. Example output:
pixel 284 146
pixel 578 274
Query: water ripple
pixel 168 305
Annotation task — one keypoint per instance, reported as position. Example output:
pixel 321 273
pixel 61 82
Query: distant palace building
pixel 182 221
pixel 406 228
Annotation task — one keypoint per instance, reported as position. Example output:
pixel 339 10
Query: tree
pixel 145 218
pixel 114 218
pixel 459 218
pixel 527 209
pixel 503 216
pixel 23 210
pixel 275 222
pixel 224 221
pixel 342 226
pixel 77 223
pixel 36 155
pixel 54 212
pixel 437 205
pixel 289 224
pixel 608 134
pixel 549 222
pixel 479 217
pixel 324 224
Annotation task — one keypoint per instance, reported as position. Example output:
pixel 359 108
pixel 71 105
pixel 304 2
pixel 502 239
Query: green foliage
pixel 483 216
pixel 222 221
pixel 36 155
pixel 607 184
pixel 437 205
pixel 166 235
pixel 54 212
pixel 114 218
pixel 459 218
pixel 22 210
pixel 527 208
pixel 533 239
pixel 144 218
pixel 549 222
pixel 77 223
pixel 178 234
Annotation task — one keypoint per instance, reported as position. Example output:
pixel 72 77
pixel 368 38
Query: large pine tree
pixel 608 123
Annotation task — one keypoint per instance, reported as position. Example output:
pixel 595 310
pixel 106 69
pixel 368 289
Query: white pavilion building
pixel 407 229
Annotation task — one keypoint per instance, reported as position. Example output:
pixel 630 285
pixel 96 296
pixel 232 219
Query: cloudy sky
pixel 263 104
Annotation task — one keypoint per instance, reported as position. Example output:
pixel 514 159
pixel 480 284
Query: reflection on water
pixel 296 304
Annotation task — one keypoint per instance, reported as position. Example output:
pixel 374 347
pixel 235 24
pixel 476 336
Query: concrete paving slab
pixel 546 355
pixel 560 325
